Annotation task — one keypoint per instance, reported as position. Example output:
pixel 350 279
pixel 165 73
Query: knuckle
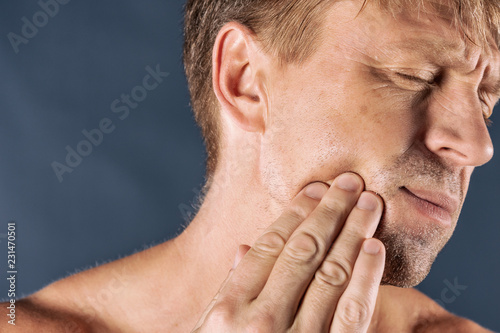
pixel 333 273
pixel 222 314
pixel 270 243
pixel 334 206
pixel 261 322
pixel 304 246
pixel 299 211
pixel 354 313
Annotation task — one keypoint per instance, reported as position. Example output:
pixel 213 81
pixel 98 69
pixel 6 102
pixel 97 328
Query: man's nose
pixel 456 130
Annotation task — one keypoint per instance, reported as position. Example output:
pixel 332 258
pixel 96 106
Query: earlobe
pixel 237 79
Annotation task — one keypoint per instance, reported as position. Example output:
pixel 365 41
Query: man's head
pixel 319 88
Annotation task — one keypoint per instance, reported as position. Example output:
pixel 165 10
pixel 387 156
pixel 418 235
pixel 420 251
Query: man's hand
pixel 316 269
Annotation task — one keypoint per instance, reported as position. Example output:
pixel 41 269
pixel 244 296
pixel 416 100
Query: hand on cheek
pixel 315 269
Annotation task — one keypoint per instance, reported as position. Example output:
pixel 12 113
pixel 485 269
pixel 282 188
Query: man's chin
pixel 408 258
pixel 406 277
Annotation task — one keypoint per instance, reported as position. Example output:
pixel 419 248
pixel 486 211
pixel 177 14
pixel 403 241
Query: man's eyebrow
pixel 425 45
pixel 440 52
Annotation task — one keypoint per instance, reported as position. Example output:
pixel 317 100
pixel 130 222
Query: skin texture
pixel 406 134
pixel 359 104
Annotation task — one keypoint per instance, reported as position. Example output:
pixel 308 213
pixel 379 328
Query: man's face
pixel 400 102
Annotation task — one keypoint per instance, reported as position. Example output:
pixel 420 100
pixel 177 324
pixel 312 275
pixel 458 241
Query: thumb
pixel 240 253
pixel 242 250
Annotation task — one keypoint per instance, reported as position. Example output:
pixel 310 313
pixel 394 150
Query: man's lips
pixel 436 198
pixel 435 203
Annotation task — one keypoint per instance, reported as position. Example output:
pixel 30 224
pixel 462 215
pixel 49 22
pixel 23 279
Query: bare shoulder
pixel 73 304
pixel 101 299
pixel 409 310
pixel 449 323
pixel 434 318
pixel 34 317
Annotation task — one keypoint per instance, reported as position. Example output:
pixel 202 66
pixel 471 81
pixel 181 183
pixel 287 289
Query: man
pixel 385 101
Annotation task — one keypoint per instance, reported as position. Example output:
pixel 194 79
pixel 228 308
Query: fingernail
pixel 367 201
pixel 371 246
pixel 316 190
pixel 348 182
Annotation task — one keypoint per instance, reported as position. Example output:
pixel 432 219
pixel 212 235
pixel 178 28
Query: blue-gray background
pixel 135 188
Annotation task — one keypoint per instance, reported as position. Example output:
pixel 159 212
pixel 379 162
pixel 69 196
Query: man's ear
pixel 237 77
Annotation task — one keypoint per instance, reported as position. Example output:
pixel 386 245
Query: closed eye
pixel 416 78
pixel 432 82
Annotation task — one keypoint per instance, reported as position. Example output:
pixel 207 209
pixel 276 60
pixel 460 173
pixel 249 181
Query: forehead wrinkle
pixel 445 34
pixel 428 38
pixel 444 53
pixel 421 33
pixel 445 10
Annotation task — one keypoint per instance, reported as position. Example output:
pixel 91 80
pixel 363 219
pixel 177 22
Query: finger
pixel 214 300
pixel 253 271
pixel 332 277
pixel 308 246
pixel 355 308
pixel 240 253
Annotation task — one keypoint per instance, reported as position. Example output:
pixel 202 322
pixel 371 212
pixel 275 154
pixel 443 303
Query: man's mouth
pixel 437 205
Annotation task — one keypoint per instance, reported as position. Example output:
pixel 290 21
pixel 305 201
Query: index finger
pixel 254 269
